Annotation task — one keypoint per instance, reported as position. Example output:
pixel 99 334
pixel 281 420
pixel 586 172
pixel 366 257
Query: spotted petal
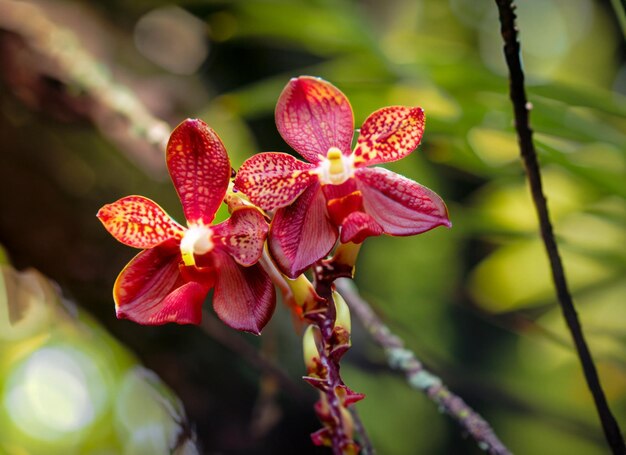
pixel 312 116
pixel 302 233
pixel 244 297
pixel 242 235
pixel 399 205
pixel 151 291
pixel 389 134
pixel 139 222
pixel 273 180
pixel 200 169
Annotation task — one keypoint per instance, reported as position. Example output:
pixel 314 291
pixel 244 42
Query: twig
pixel 236 343
pixel 527 149
pixel 417 376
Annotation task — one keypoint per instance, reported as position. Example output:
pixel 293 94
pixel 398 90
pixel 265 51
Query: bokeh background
pixel 88 94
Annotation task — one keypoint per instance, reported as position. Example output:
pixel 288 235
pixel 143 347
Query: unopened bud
pixel 342 313
pixel 303 292
pixel 236 199
pixel 310 351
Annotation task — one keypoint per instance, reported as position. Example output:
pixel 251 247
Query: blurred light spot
pixel 147 412
pixel 494 147
pixel 48 396
pixel 24 304
pixel 147 439
pixel 517 276
pixel 508 205
pixel 173 39
pixel 435 102
pixel 548 31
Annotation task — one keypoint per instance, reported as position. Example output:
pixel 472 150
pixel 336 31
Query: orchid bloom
pixel 336 195
pixel 170 279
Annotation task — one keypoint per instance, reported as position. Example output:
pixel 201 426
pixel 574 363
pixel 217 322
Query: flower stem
pixel 521 109
pixel 418 377
pixel 329 315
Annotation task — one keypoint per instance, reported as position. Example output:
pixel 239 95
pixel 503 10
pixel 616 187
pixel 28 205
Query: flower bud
pixel 310 342
pixel 342 313
pixel 303 292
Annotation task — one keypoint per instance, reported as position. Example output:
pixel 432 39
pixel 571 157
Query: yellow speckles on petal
pixel 200 169
pixel 138 222
pixel 273 180
pixel 389 134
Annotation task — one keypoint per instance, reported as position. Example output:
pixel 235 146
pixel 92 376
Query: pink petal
pixel 200 169
pixel 302 233
pixel 312 116
pixel 242 235
pixel 151 291
pixel 389 134
pixel 358 226
pixel 244 297
pixel 399 205
pixel 273 180
pixel 139 222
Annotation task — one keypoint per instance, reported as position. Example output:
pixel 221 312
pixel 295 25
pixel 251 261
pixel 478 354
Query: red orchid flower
pixel 335 194
pixel 170 279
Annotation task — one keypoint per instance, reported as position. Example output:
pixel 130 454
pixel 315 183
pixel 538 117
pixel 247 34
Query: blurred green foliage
pixel 67 385
pixel 475 303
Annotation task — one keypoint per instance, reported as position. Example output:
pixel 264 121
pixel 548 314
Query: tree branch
pixel 417 376
pixel 529 156
pixel 48 51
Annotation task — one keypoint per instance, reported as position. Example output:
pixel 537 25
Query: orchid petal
pixel 273 180
pixel 399 205
pixel 244 297
pixel 200 169
pixel 389 134
pixel 242 235
pixel 357 226
pixel 151 291
pixel 312 116
pixel 302 233
pixel 139 222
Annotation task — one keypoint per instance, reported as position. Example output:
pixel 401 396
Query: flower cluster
pixel 336 195
pixel 170 279
pixel 333 196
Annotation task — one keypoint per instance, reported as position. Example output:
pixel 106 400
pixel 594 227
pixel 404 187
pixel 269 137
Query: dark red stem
pixel 529 156
pixel 324 317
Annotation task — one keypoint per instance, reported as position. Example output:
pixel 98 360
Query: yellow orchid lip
pixel 196 240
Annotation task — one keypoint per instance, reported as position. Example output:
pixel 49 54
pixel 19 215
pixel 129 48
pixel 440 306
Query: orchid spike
pixel 170 279
pixel 336 195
